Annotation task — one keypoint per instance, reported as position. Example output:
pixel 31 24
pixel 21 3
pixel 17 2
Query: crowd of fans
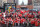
pixel 20 18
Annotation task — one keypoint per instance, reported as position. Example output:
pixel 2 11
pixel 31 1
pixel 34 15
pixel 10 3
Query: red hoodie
pixel 36 23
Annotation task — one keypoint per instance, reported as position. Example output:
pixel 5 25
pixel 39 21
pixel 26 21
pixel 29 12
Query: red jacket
pixel 3 22
pixel 20 15
pixel 39 23
pixel 21 11
pixel 21 21
pixel 16 21
pixel 32 22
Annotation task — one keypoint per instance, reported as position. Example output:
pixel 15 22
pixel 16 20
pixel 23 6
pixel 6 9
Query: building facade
pixel 30 6
pixel 10 1
pixel 36 4
pixel 4 1
pixel 0 2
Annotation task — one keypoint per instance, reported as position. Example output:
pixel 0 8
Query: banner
pixel 10 7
